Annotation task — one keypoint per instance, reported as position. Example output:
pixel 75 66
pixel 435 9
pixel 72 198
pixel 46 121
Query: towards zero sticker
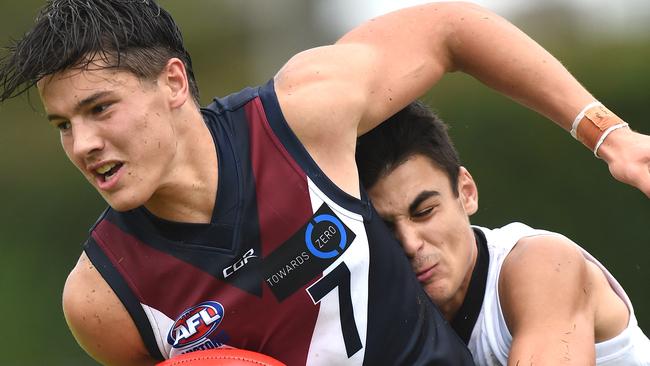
pixel 307 253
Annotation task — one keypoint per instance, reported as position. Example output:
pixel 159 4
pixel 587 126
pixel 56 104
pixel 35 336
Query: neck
pixel 451 307
pixel 189 192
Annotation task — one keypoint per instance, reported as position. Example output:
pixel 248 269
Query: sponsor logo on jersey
pixel 195 324
pixel 285 271
pixel 326 237
pixel 307 253
pixel 207 344
pixel 230 270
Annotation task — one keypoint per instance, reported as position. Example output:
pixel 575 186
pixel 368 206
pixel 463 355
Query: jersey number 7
pixel 340 277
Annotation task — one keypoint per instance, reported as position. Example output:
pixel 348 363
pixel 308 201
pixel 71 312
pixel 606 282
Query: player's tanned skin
pixel 116 80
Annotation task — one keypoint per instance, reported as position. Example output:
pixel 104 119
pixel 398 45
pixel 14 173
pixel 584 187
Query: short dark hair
pixel 415 130
pixel 132 35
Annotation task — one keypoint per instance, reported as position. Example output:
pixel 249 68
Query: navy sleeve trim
pixel 297 150
pixel 124 293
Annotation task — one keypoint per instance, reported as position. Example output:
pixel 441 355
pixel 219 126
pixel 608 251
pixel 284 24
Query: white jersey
pixel 491 340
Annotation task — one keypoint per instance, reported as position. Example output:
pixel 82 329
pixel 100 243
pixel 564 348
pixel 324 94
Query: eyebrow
pixel 81 104
pixel 421 197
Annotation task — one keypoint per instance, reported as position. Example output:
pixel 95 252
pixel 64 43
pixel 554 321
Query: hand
pixel 627 154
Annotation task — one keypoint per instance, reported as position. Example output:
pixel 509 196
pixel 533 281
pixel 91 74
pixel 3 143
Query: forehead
pixel 396 190
pixel 59 90
pixel 87 78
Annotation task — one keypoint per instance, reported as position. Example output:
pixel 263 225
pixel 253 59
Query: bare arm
pixel 547 300
pixel 99 321
pixel 464 37
pixel 393 59
pixel 375 70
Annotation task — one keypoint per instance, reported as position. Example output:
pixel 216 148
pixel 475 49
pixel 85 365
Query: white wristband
pixel 605 134
pixel 580 116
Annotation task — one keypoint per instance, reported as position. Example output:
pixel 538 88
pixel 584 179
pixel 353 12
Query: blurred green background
pixel 527 169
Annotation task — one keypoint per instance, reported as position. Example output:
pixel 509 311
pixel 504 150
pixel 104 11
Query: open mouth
pixel 108 170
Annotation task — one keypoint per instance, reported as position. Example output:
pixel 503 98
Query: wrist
pixel 593 125
pixel 613 142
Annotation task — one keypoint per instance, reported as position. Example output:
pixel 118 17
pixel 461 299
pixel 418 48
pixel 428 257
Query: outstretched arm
pixel 379 67
pixel 456 36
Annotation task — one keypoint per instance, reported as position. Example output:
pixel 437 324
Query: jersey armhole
pixel 124 293
pixel 294 147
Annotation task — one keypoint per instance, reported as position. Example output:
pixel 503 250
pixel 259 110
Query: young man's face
pixel 115 128
pixel 432 224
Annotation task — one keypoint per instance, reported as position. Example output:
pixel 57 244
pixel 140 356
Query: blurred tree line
pixel 527 169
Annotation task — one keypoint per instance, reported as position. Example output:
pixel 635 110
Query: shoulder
pixel 540 273
pixel 317 83
pixel 547 300
pixel 323 96
pixel 545 252
pixel 348 84
pixel 98 320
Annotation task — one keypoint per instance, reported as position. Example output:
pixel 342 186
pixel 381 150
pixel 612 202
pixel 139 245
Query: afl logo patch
pixel 195 324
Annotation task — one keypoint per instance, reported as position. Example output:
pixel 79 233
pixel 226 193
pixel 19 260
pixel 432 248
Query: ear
pixel 174 78
pixel 467 191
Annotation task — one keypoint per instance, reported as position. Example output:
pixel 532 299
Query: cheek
pixel 135 134
pixel 159 141
pixel 155 127
pixel 154 147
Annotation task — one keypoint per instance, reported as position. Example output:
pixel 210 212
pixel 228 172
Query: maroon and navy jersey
pixel 290 265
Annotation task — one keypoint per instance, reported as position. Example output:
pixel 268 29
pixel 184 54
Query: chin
pixel 122 204
pixel 438 295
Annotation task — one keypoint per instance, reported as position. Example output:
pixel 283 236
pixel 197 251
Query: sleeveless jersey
pixel 290 265
pixel 491 340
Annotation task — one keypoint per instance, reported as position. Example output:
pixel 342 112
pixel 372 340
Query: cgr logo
pixel 240 263
pixel 195 324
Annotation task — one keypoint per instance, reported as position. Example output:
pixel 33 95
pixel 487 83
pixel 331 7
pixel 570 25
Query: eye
pixel 423 213
pixel 99 108
pixel 63 126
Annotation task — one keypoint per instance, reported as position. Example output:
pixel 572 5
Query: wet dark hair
pixel 415 130
pixel 132 35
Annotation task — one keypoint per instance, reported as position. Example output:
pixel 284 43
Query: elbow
pixel 461 7
pixel 460 15
pixel 466 26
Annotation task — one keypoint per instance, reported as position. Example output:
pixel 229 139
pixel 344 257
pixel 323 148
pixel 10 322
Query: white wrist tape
pixel 580 116
pixel 605 134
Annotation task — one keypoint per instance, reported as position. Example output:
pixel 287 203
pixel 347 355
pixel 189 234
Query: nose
pixel 409 238
pixel 86 140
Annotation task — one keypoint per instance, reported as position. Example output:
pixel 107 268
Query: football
pixel 222 357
